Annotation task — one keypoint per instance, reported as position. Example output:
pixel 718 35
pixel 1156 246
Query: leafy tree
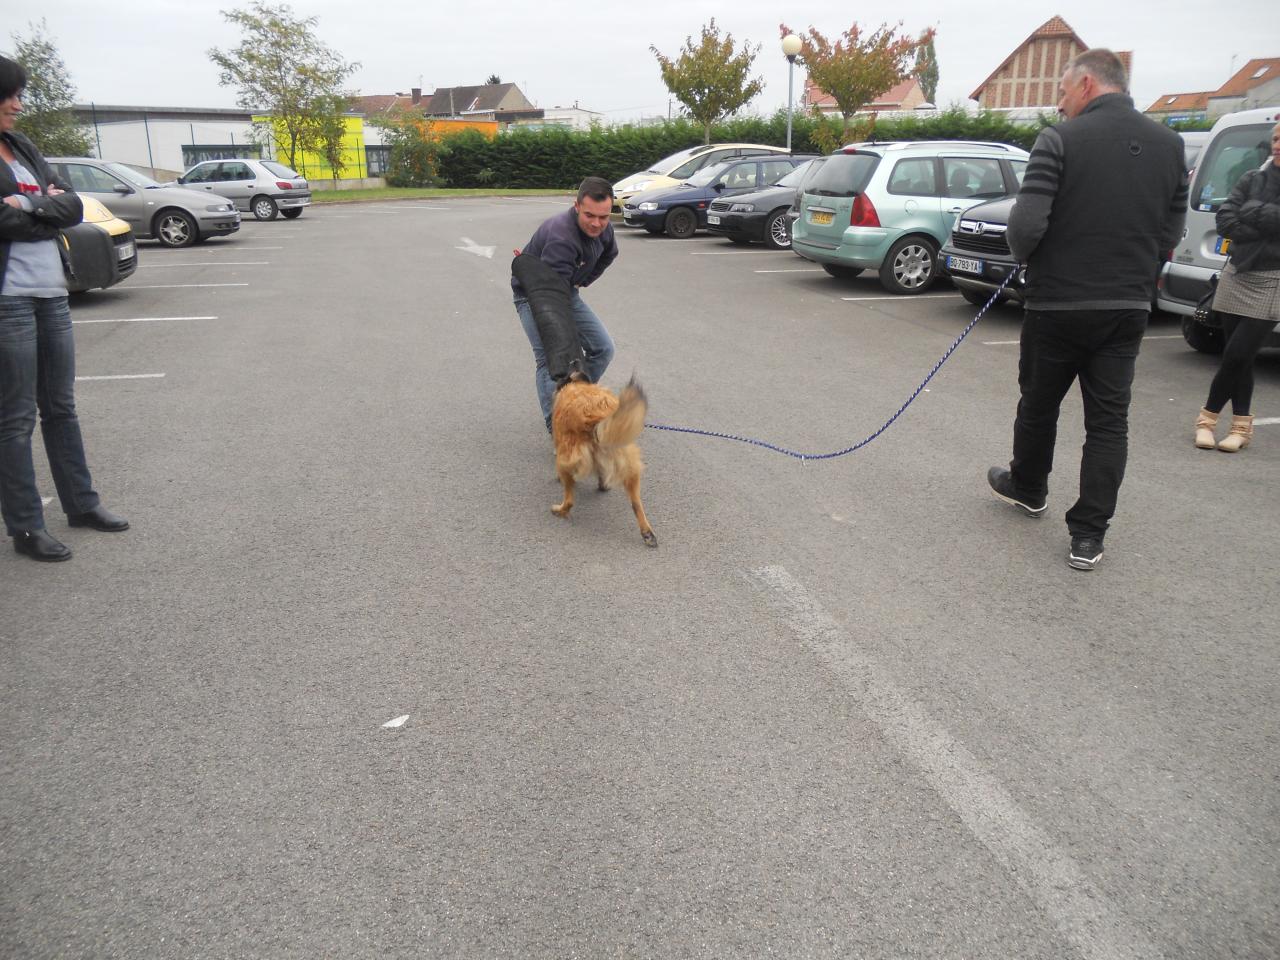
pixel 854 70
pixel 281 68
pixel 46 103
pixel 415 148
pixel 711 79
pixel 926 68
pixel 493 80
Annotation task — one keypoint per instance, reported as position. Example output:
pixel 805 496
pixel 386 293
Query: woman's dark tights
pixel 1234 379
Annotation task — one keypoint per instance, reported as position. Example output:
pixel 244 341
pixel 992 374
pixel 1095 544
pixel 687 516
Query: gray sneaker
pixel 1002 486
pixel 1086 553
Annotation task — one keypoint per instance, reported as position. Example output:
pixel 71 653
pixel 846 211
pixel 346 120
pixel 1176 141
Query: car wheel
pixel 1202 338
pixel 264 208
pixel 978 298
pixel 842 273
pixel 173 228
pixel 910 267
pixel 681 223
pixel 293 214
pixel 777 231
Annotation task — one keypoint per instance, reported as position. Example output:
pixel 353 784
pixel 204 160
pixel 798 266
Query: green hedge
pixel 558 158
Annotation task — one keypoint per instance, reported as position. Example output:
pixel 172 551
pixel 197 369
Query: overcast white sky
pixel 153 52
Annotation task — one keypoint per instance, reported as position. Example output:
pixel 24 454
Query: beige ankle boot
pixel 1205 423
pixel 1240 435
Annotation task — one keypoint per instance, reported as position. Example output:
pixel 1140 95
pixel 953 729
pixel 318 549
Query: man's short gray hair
pixel 1104 66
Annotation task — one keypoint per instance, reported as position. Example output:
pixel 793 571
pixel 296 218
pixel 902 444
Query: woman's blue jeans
pixel 595 340
pixel 38 371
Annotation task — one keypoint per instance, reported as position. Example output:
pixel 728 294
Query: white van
pixel 1238 142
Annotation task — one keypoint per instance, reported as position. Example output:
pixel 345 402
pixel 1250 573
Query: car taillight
pixel 284 186
pixel 863 213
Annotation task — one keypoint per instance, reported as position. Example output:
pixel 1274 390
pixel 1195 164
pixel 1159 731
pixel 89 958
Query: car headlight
pixel 742 208
pixel 218 207
pixel 648 205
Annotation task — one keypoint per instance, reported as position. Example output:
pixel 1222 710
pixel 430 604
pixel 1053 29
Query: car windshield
pixel 667 164
pixel 796 176
pixel 131 175
pixel 280 170
pixel 843 175
pixel 1235 152
pixel 706 175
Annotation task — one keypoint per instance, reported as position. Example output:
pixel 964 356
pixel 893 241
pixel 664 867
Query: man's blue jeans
pixel 38 370
pixel 595 340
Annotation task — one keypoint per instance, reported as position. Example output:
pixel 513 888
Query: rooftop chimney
pixel 417 95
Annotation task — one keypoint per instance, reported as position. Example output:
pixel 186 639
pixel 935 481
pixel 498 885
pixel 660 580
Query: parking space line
pixel 142 319
pixel 180 286
pixel 1014 343
pixel 214 263
pixel 125 376
pixel 718 253
pixel 919 296
pixel 1031 855
pixel 1266 421
pixel 793 270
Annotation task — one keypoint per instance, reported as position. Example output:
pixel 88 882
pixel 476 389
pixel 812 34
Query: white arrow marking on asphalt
pixel 470 246
pixel 397 722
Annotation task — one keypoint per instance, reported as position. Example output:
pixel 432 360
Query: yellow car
pixel 100 249
pixel 679 167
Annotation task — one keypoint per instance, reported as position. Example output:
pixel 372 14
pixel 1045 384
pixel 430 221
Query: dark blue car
pixel 681 210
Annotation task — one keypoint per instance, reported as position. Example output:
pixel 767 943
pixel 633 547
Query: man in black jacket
pixel 1103 201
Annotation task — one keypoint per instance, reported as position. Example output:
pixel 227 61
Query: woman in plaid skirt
pixel 1247 298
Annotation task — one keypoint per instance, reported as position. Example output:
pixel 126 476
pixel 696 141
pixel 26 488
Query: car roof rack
pixel 908 144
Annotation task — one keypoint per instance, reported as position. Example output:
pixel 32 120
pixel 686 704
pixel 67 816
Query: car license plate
pixel 124 251
pixel 821 217
pixel 1222 247
pixel 712 218
pixel 964 265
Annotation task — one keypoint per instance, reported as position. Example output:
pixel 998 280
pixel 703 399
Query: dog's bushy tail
pixel 625 423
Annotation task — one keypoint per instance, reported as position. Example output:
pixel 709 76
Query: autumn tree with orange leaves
pixel 856 69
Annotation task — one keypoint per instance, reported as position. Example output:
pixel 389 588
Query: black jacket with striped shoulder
pixel 48 214
pixel 1103 202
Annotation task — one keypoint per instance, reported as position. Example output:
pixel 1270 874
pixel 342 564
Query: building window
pixel 199 152
pixel 1261 72
pixel 377 159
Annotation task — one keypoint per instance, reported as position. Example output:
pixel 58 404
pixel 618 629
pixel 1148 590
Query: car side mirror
pixel 122 189
pixel 718 186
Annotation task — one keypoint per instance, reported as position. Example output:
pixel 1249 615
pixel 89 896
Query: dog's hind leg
pixel 632 485
pixel 562 508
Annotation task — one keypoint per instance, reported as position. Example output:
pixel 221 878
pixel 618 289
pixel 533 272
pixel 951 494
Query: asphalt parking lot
pixel 849 708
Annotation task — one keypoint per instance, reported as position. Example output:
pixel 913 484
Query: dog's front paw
pixel 649 539
pixel 560 510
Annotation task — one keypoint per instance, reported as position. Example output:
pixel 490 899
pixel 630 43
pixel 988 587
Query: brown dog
pixel 594 430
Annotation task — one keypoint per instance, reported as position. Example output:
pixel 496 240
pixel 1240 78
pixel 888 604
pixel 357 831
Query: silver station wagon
pixel 261 187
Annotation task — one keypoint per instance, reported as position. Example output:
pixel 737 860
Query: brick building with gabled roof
pixel 906 95
pixel 1029 76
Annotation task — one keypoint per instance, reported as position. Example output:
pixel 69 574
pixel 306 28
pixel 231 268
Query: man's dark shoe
pixel 39 545
pixel 1086 553
pixel 99 518
pixel 1002 485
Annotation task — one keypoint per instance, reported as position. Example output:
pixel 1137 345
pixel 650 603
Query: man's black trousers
pixel 1100 348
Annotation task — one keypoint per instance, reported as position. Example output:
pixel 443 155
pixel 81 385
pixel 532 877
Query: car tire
pixel 1202 338
pixel 977 298
pixel 173 228
pixel 777 231
pixel 910 267
pixel 293 214
pixel 842 273
pixel 263 208
pixel 681 223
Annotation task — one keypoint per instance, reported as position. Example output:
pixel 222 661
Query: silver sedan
pixel 172 216
pixel 264 188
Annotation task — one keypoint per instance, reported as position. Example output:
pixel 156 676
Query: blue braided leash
pixel 888 423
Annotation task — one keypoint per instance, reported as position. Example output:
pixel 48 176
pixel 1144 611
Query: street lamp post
pixel 791 47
